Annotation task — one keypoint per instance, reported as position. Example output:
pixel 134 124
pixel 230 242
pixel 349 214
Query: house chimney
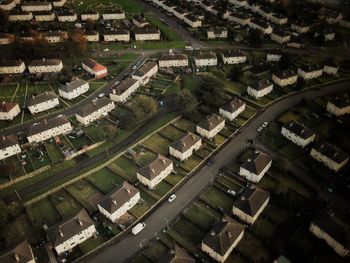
pixel 60 232
pixel 114 201
pixel 229 234
pixel 224 219
pixel 152 170
pixel 127 190
pixel 163 160
pixel 80 222
pixel 114 91
pixel 249 160
pixel 212 233
pixel 243 198
pixel 17 257
pixel 193 137
pixel 94 102
pixel 45 121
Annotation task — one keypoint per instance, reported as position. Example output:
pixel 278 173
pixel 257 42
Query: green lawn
pixel 249 244
pixel 42 212
pixel 185 124
pixel 189 231
pixel 191 163
pixel 54 152
pixel 166 30
pixel 124 167
pixel 171 133
pixel 155 250
pixel 162 188
pixel 105 180
pixel 157 144
pixel 199 216
pixel 143 156
pixel 91 244
pixel 65 204
pixel 216 198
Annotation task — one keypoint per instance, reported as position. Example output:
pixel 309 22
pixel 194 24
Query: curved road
pixel 188 192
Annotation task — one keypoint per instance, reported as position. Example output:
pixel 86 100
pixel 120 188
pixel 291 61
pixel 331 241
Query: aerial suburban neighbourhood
pixel 158 131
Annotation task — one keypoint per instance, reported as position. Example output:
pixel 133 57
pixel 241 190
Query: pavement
pixel 160 218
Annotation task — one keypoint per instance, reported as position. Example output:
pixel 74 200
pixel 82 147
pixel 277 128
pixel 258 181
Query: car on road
pixel 171 198
pixel 138 228
pixel 231 192
pixel 101 95
pixel 134 67
pixel 259 129
pixel 265 124
pixel 106 50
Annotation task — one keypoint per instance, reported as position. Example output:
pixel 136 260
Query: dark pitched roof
pixel 178 255
pixel 124 85
pixel 93 106
pixel 73 85
pixel 47 124
pixel 155 167
pixel 310 67
pixel 334 227
pixel 251 200
pixel 233 53
pixel 174 57
pixel 211 122
pixel 217 29
pixel 140 19
pixel 298 129
pixel 69 227
pixel 145 68
pixel 11 63
pixel 257 162
pixel 223 235
pixel 280 32
pixel 186 142
pixel 7 141
pixel 118 197
pixel 46 96
pixel 45 62
pixel 331 152
pixel 285 74
pixel 233 105
pixel 147 30
pixel 261 84
pixel 341 101
pixel 21 253
pixel 7 106
pixel 205 55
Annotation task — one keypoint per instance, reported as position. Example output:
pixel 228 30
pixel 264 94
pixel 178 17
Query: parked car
pixel 259 129
pixel 265 124
pixel 231 192
pixel 171 198
pixel 138 228
pixel 101 95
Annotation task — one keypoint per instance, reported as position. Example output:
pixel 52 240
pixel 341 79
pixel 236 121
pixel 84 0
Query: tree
pixel 285 61
pixel 187 101
pixel 255 37
pixel 211 91
pixel 235 73
pixel 10 169
pixel 143 106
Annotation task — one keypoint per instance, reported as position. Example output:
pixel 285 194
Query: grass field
pixel 65 204
pixel 105 180
pixel 124 167
pixel 157 144
pixel 43 212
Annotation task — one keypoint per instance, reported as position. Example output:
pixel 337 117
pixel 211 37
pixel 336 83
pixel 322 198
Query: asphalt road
pixel 188 192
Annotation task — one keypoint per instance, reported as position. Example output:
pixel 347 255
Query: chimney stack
pixel 17 257
pixel 114 201
pixel 229 234
pixel 80 222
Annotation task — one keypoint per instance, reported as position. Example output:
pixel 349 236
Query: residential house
pixel 184 147
pixel 280 36
pixel 92 36
pixel 339 105
pixel 296 42
pixel 217 32
pixel 113 15
pixel 45 66
pixel 180 13
pixel 7 5
pixel 250 204
pixel 19 15
pixel 232 109
pixel 176 255
pixel 42 102
pixel 12 67
pixel 145 72
pixel 124 89
pixel 260 25
pixel 333 231
pixel 279 19
pixel 155 171
pixel 90 15
pixel 9 111
pixel 58 3
pixel 74 89
pixel 44 16
pixel 222 239
pixel 120 201
pixel 8 146
pixel 239 18
pixel 233 57
pixel 147 33
pixel 28 36
pixel 94 68
pixel 328 34
pixel 67 16
pixel 119 34
pixel 265 12
pixel 6 39
pixel 210 127
pixel 260 88
pixel 255 167
pixel 48 128
pixel 94 110
pixel 285 78
pixel 300 26
pixel 329 155
pixel 274 56
pixel 173 60
pixel 298 134
pixel 70 232
pixel 192 21
pixel 56 36
pixel 204 59
pixel 36 6
pixel 20 253
pixel 140 21
pixel 310 72
pixel 330 67
pixel 241 3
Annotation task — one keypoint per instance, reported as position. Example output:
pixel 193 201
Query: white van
pixel 138 228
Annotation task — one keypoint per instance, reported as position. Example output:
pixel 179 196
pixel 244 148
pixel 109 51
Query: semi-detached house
pixel 145 72
pixel 232 109
pixel 94 68
pixel 8 146
pixel 12 67
pixel 9 110
pixel 147 33
pixel 120 34
pixel 183 148
pixel 124 89
pixel 298 134
pixel 20 253
pixel 255 167
pixel 308 72
pixel 260 88
pixel 45 66
pixel 94 110
pixel 19 15
pixel 233 57
pixel 285 78
pixel 173 60
pixel 42 102
pixel 205 59
pixel 210 127
pixel 74 89
pixel 339 105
